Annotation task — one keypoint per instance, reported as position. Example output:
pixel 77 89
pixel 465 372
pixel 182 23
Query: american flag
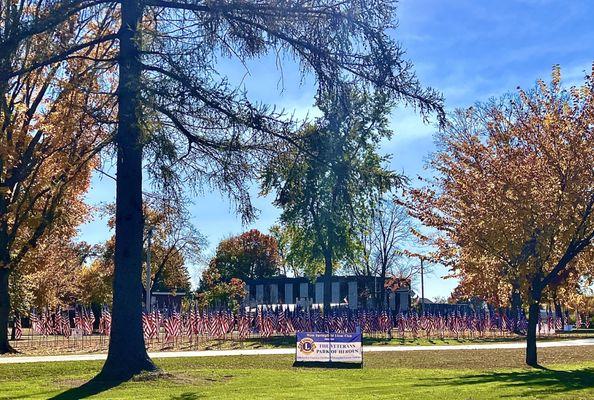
pixel 18 329
pixel 146 330
pixel 425 323
pixel 61 324
pixel 58 324
pixel 505 322
pixel 200 327
pixel 285 326
pixel 268 321
pixel 88 321
pixel 172 327
pixel 66 330
pixel 105 322
pixel 414 324
pixel 267 325
pixel 35 326
pixel 229 322
pixel 157 321
pixel 495 322
pixel 385 322
pixel 83 320
pixel 243 325
pixel 78 320
pixel 400 323
pixel 150 325
pixel 46 325
pixel 217 325
pixel 550 321
pixel 187 324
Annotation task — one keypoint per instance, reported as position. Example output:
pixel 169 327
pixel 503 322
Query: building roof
pixel 301 279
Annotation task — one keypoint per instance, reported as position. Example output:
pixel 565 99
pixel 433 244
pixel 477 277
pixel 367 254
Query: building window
pixel 266 299
pixel 344 291
pixel 281 294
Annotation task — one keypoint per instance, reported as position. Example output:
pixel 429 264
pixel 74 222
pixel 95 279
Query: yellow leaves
pixel 548 121
pixel 53 173
pixel 556 76
pixel 34 221
pixel 522 171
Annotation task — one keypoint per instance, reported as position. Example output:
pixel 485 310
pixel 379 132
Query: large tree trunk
pixel 383 297
pixel 327 283
pixel 533 314
pixel 4 311
pixel 96 310
pixel 559 314
pixel 516 306
pixel 127 354
pixel 13 329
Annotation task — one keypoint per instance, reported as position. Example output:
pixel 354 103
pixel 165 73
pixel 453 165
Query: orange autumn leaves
pixel 513 195
pixel 54 122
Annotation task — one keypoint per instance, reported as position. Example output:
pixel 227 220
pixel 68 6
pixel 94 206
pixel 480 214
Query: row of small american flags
pixel 59 322
pixel 266 322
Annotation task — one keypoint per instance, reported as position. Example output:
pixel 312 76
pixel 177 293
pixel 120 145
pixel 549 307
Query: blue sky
pixel 468 50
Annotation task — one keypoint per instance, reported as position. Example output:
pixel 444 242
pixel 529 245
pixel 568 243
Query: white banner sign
pixel 329 347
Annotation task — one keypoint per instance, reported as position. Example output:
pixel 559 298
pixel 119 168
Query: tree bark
pixel 559 314
pixel 13 329
pixel 533 314
pixel 383 297
pixel 516 306
pixel 4 311
pixel 96 310
pixel 327 283
pixel 127 354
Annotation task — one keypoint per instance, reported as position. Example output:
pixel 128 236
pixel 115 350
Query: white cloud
pixel 408 125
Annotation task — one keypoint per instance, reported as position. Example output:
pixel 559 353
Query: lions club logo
pixel 307 346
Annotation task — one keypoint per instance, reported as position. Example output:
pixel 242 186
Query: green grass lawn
pixel 568 373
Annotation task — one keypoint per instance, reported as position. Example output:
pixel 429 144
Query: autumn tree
pixel 47 277
pixel 513 196
pixel 216 292
pixel 251 255
pixel 42 33
pixel 175 244
pixel 53 269
pixel 327 184
pixel 47 107
pixel 94 282
pixel 49 141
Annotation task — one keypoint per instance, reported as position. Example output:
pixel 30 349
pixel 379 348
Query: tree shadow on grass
pixel 92 387
pixel 186 396
pixel 538 381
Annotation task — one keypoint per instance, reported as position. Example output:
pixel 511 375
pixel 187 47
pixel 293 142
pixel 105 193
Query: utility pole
pixel 422 289
pixel 422 258
pixel 149 235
